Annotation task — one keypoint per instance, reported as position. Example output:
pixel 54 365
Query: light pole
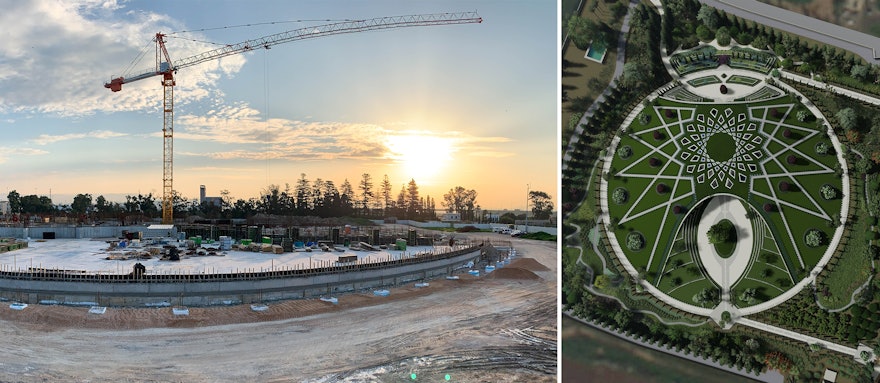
pixel 527 208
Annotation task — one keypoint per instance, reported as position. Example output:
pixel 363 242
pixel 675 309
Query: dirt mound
pixel 509 272
pixel 528 264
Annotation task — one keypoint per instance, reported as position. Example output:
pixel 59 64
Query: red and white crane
pixel 167 68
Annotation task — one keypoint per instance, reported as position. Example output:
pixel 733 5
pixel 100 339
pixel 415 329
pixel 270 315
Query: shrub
pixel 654 162
pixel 828 191
pixel 768 207
pixel 677 209
pixel 634 241
pixel 619 196
pixel 723 89
pixel 786 133
pixel 657 135
pixel 644 118
pixel 774 113
pixel 802 115
pixel 784 186
pixel 813 238
pixel 624 152
pixel 791 159
pixel 669 113
pixel 822 148
pixel 723 36
pixel 467 229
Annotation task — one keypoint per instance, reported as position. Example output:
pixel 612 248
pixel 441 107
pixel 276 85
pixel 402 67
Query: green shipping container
pixel 401 244
pixel 246 242
pixel 267 240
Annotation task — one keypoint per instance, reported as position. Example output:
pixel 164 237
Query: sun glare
pixel 420 156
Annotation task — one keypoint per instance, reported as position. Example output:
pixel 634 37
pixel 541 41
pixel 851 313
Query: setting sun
pixel 420 156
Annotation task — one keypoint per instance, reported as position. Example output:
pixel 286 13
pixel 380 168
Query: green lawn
pixel 746 80
pixel 721 147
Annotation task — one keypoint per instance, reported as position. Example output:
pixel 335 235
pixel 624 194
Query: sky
pixel 471 105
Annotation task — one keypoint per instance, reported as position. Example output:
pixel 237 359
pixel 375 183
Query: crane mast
pixel 166 68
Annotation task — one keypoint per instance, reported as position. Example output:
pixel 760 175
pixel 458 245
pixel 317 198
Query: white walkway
pixel 725 271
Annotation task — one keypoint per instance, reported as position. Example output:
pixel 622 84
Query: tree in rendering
pixel 634 75
pixel 720 232
pixel 828 191
pixel 822 148
pixel 749 296
pixel 709 17
pixel 813 238
pixel 859 72
pixel 705 296
pixel 583 30
pixel 619 195
pixel 634 241
pixel 847 118
pixel 723 36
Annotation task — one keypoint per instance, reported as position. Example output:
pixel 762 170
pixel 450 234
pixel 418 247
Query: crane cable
pixel 137 59
pixel 266 98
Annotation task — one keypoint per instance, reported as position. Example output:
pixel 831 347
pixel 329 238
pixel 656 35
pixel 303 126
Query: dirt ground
pixel 501 328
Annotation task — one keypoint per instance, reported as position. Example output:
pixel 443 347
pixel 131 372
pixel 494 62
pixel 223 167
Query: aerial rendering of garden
pixel 726 188
pixel 771 154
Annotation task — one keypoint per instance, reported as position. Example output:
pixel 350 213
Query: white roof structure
pixel 830 376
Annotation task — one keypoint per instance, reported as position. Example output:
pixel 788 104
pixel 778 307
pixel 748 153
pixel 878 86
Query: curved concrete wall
pixel 255 287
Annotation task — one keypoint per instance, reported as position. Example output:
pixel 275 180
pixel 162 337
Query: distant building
pixel 4 207
pixel 450 217
pixel 215 201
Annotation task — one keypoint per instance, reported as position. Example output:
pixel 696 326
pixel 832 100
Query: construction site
pixel 490 312
pixel 216 301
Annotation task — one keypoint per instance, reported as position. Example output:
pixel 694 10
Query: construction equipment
pixel 167 68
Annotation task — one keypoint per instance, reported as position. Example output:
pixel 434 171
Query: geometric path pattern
pixel 754 169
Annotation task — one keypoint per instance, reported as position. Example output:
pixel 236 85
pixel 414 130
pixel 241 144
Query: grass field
pixel 854 266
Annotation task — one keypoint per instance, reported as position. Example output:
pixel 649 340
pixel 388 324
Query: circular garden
pixel 779 164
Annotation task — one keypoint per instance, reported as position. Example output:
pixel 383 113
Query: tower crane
pixel 167 68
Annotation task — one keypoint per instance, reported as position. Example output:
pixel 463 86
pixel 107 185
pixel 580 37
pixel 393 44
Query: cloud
pixel 45 139
pixel 59 53
pixel 251 138
pixel 6 152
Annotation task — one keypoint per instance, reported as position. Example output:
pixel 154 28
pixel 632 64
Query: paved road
pixel 859 43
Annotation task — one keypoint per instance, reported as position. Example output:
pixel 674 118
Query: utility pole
pixel 527 208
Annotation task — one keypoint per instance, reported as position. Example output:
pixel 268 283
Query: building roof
pixel 830 376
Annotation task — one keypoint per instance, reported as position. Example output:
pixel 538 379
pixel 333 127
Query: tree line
pixel 318 197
